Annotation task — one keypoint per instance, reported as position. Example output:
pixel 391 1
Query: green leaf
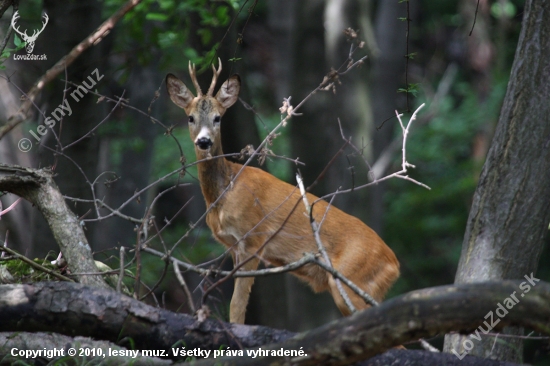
pixel 411 89
pixel 205 34
pixel 17 41
pixel 156 16
pixel 503 9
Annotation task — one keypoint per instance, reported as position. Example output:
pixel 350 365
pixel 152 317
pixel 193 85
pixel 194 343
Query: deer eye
pixel 217 119
pixel 191 119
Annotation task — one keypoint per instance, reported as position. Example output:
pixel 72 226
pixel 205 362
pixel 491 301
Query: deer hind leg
pixel 376 285
pixel 241 292
pixel 357 301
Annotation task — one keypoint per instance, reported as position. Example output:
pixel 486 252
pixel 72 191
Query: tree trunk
pixel 511 207
pixel 387 76
pixel 140 87
pixel 311 136
pixel 76 310
pixel 39 188
pixel 422 313
pixel 69 24
pixel 73 309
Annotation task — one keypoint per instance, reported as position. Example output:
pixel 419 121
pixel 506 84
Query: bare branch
pixel 183 284
pixel 404 164
pixel 315 228
pixel 121 270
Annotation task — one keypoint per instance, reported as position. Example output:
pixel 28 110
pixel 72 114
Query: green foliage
pixel 19 44
pixel 503 9
pixel 427 226
pixel 280 146
pixel 165 157
pixel 410 89
pixel 22 272
pixel 169 25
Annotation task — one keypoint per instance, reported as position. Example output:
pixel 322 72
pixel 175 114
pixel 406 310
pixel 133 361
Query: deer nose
pixel 204 143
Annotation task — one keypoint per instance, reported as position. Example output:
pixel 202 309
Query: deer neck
pixel 214 173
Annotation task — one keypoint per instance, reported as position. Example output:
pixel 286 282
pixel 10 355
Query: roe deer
pixel 258 206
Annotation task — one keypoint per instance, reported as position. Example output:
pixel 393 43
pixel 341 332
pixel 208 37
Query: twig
pixel 320 245
pixel 164 272
pixel 475 18
pixel 385 158
pixel 407 56
pixel 368 299
pixel 427 346
pixel 327 166
pixel 137 256
pixel 183 284
pixel 5 245
pixel 11 207
pixel 404 164
pixel 35 265
pixel 306 259
pixel 350 143
pixel 100 204
pixel 96 126
pixel 121 271
pixel 148 115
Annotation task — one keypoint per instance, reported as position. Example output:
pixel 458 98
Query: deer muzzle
pixel 204 143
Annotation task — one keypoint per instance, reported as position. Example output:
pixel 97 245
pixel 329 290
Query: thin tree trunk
pixel 511 207
pixel 387 76
pixel 311 136
pixel 70 22
pixel 141 87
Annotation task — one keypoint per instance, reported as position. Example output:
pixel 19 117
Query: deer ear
pixel 229 92
pixel 179 93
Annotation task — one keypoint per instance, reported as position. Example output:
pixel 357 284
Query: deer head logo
pixel 29 39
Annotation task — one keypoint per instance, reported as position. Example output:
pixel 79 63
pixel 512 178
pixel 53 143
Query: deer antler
pixel 13 20
pixel 45 16
pixel 215 77
pixel 193 74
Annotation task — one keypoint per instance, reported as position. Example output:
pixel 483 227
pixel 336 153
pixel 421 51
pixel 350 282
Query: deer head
pixel 29 39
pixel 204 111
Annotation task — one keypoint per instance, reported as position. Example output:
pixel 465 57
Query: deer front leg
pixel 241 292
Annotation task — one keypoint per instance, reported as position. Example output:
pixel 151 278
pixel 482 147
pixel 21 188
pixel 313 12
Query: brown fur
pixel 258 205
